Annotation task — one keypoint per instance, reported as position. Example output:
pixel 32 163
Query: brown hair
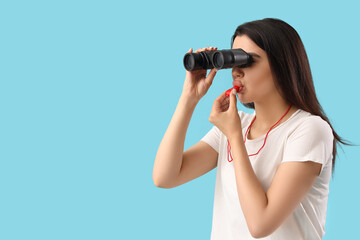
pixel 289 64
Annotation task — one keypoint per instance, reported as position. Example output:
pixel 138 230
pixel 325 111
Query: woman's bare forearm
pixel 168 159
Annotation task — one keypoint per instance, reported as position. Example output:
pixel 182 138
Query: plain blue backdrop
pixel 88 88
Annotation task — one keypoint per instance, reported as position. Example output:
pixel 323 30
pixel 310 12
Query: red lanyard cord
pixel 229 147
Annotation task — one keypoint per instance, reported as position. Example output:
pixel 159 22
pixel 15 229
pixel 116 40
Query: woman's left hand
pixel 224 115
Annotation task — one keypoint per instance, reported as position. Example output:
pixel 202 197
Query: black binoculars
pixel 222 59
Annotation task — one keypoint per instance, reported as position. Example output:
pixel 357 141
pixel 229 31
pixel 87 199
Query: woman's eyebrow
pixel 254 54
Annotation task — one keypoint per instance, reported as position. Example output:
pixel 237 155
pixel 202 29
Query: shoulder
pixel 310 138
pixel 311 125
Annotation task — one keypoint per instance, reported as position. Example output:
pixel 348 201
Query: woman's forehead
pixel 245 43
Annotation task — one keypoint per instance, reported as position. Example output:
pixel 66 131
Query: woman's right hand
pixel 196 82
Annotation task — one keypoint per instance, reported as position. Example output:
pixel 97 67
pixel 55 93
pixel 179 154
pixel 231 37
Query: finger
pixel 210 77
pixel 225 99
pixel 225 107
pixel 190 50
pixel 220 100
pixel 206 49
pixel 222 103
pixel 233 99
pixel 216 107
pixel 199 50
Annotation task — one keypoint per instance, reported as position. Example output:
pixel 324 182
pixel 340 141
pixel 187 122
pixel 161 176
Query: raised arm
pixel 169 157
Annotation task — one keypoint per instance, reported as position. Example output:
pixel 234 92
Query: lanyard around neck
pixel 229 147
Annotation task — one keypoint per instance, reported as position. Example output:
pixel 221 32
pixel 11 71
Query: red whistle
pixel 228 92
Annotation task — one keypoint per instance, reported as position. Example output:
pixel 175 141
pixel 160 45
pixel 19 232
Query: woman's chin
pixel 242 99
pixel 245 101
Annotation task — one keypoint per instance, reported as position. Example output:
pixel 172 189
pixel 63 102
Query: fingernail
pixel 233 91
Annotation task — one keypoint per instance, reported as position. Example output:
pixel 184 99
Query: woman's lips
pixel 237 83
pixel 239 87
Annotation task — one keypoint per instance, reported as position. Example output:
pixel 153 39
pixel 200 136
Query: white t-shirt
pixel 302 137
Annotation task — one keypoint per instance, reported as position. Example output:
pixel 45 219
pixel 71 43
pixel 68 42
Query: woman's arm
pixel 266 211
pixel 169 155
pixel 168 159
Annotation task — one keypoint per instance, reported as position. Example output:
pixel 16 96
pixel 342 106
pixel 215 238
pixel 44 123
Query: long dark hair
pixel 289 64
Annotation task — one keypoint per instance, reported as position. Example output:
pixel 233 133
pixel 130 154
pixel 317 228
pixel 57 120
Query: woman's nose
pixel 237 72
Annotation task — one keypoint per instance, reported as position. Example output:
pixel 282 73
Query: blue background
pixel 88 88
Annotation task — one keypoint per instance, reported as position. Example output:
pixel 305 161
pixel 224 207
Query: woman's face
pixel 257 80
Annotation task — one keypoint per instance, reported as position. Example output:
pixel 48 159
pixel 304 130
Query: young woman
pixel 273 166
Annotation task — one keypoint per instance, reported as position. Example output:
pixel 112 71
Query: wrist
pixel 236 137
pixel 188 101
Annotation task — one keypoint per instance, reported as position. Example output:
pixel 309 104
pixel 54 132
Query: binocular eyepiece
pixel 222 59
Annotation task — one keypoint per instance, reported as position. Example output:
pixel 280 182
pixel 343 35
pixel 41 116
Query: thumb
pixel 233 99
pixel 210 77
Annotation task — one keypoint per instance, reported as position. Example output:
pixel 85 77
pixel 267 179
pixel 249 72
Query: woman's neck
pixel 269 112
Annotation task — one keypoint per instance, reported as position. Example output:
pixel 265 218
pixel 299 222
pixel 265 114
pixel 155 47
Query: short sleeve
pixel 312 141
pixel 213 138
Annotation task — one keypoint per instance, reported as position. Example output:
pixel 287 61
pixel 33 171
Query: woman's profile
pixel 273 166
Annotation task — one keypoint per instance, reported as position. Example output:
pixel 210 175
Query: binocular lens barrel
pixel 219 59
pixel 196 61
pixel 231 58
